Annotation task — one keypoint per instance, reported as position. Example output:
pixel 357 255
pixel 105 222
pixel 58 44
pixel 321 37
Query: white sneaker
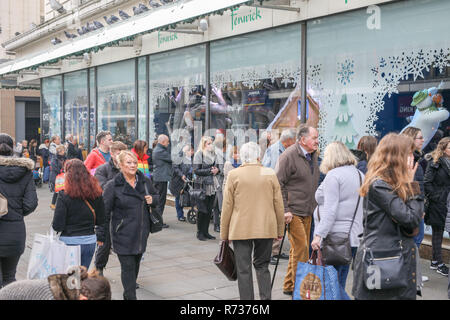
pixel 425 279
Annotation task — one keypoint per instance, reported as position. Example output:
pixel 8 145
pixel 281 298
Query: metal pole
pixel 303 73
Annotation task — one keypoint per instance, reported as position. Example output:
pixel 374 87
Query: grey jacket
pixel 337 197
pixel 162 164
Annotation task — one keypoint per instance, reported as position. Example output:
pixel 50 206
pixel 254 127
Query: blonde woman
pixel 392 209
pixel 339 207
pixel 437 186
pixel 126 201
pixel 206 169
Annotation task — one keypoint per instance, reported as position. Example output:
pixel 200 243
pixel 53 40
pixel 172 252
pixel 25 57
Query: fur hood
pixel 17 162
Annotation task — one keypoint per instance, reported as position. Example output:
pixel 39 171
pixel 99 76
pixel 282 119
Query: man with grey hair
pixel 298 173
pixel 162 170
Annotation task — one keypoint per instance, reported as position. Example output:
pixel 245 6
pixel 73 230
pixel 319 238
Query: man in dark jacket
pixel 105 173
pixel 162 170
pixel 17 186
pixel 72 149
pixel 181 173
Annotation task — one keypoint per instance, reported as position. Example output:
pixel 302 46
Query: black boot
pixel 200 219
pixel 206 222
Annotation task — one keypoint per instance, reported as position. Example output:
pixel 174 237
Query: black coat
pixel 382 206
pixel 127 214
pixel 17 185
pixel 162 164
pixel 57 165
pixel 44 153
pixel 419 176
pixel 74 218
pixel 106 172
pixel 73 152
pixel 437 186
pixel 180 170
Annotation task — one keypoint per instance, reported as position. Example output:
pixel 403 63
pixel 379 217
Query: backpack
pixel 3 205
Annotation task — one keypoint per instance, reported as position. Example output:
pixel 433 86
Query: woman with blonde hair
pixel 392 209
pixel 206 169
pixel 437 186
pixel 339 205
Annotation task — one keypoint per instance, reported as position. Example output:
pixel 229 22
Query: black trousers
pixel 162 190
pixel 205 208
pixel 437 236
pixel 129 270
pixel 54 198
pixel 8 267
pixel 102 255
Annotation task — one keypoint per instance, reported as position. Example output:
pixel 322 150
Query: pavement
pixel 177 266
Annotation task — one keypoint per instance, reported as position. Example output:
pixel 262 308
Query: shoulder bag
pixel 154 215
pixel 383 268
pixel 336 247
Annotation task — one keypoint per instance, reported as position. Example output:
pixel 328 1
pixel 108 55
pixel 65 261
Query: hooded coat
pixel 17 185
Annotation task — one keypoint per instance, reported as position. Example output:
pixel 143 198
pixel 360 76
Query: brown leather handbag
pixel 225 261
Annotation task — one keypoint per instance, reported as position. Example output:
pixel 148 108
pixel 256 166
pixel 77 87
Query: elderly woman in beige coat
pixel 252 216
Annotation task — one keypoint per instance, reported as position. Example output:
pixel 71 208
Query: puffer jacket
pixel 437 186
pixel 127 214
pixel 17 185
pixel 381 207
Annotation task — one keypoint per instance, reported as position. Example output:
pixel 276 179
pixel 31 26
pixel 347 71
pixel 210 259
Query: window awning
pixel 163 18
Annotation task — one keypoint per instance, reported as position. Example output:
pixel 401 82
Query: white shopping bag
pixel 50 256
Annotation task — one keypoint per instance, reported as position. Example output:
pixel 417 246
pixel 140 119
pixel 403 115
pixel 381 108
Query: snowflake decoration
pixel 345 71
pixel 441 59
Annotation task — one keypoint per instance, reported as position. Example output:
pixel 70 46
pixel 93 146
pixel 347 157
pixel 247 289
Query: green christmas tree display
pixel 343 129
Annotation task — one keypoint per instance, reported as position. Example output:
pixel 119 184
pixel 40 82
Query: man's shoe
pixel 165 226
pixel 282 256
pixel 288 293
pixel 273 261
pixel 442 269
pixel 182 219
pixel 434 265
pixel 201 237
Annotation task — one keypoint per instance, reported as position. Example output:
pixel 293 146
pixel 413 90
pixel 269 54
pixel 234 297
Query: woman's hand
pixel 315 244
pixel 149 199
pixel 412 168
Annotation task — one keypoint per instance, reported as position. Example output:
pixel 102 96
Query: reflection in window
pixel 76 105
pixel 142 91
pixel 117 100
pixel 252 77
pixel 177 91
pixel 92 103
pixel 51 106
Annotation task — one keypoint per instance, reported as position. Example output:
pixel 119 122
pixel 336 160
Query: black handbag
pixel 155 217
pixel 336 247
pixel 226 262
pixel 383 268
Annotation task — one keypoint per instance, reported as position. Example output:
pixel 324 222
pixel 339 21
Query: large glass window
pixel 93 105
pixel 76 118
pixel 142 91
pixel 51 106
pixel 177 92
pixel 117 100
pixel 365 66
pixel 252 77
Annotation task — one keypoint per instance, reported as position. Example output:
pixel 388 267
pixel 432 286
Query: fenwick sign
pixel 237 19
pixel 168 38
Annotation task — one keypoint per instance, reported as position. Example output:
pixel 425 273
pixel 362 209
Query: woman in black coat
pixel 182 171
pixel 437 186
pixel 126 207
pixel 392 208
pixel 17 186
pixel 206 169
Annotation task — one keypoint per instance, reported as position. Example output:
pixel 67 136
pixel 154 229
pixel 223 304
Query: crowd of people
pixel 381 194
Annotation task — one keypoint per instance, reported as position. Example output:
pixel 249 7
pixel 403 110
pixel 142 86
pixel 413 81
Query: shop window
pixel 117 100
pixel 142 91
pixel 51 106
pixel 76 116
pixel 93 106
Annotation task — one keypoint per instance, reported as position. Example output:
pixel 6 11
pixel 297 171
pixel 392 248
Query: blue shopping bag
pixel 314 281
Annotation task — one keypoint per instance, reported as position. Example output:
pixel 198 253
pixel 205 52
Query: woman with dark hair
pixel 79 209
pixel 392 209
pixel 366 147
pixel 17 186
pixel 33 150
pixel 140 149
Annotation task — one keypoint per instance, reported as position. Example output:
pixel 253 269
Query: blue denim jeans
pixel 87 252
pixel 419 238
pixel 180 213
pixel 343 270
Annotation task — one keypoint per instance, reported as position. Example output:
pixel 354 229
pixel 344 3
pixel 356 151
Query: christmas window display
pixel 51 106
pixel 76 117
pixel 116 101
pixel 177 92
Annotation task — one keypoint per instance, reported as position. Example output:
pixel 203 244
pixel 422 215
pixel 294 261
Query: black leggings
pixel 8 266
pixel 129 269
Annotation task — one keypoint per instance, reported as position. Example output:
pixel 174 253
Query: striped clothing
pixel 143 164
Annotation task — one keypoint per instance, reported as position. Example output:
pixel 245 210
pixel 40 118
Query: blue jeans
pixel 419 238
pixel 87 252
pixel 343 270
pixel 180 213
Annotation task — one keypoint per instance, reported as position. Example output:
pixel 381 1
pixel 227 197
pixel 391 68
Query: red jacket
pixel 94 160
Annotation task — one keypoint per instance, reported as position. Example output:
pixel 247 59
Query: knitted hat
pixel 419 96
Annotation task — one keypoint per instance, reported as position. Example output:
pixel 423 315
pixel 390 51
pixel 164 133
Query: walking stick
pixel 279 254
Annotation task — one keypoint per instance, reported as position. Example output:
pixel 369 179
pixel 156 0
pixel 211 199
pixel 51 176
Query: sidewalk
pixel 178 266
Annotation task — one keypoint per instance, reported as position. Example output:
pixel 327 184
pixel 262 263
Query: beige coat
pixel 252 204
